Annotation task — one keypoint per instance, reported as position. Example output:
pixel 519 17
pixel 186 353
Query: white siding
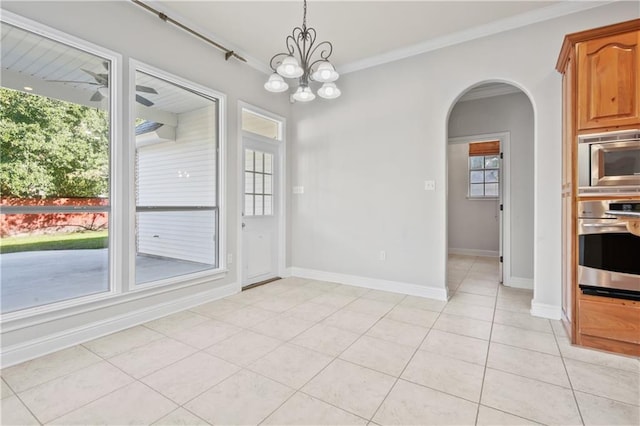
pixel 180 173
pixel 178 235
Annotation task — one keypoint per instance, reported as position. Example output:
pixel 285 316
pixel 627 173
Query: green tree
pixel 52 148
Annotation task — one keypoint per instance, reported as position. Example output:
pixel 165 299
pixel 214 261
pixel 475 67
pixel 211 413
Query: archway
pixel 490 200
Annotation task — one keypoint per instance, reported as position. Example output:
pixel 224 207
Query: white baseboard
pixel 474 252
pixel 54 342
pixel 372 283
pixel 544 310
pixel 287 272
pixel 519 282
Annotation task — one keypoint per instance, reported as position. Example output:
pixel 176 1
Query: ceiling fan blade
pixel 144 101
pixel 102 79
pixel 73 81
pixel 97 96
pixel 146 89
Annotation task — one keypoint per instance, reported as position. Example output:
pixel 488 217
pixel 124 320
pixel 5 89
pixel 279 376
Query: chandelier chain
pixel 304 17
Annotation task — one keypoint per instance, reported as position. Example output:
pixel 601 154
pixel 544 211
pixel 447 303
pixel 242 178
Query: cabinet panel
pixel 608 82
pixel 611 319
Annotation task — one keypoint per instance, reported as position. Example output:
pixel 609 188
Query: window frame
pixel 484 183
pixel 115 241
pixel 221 241
pixel 122 288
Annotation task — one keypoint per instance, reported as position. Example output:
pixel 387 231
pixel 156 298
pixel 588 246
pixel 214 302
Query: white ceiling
pixel 360 31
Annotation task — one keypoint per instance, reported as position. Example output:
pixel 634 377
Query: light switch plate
pixel 298 189
pixel 429 185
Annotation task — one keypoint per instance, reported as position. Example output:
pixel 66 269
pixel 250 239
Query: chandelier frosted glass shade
pixel 307 61
pixel 325 73
pixel 276 83
pixel 329 91
pixel 290 68
pixel 303 94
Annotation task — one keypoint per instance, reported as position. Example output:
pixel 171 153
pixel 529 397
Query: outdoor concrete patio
pixel 37 278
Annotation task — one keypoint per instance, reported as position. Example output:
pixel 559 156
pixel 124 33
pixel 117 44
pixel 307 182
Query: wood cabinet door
pixel 609 82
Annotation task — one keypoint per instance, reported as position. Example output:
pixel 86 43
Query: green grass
pixel 71 241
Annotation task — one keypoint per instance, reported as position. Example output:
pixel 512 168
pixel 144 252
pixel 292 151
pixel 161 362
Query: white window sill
pixel 483 198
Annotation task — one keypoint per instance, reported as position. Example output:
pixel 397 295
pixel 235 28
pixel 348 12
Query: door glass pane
pixel 259 184
pixel 259 202
pixel 176 185
pixel 248 183
pixel 268 205
pixel 54 171
pixel 268 163
pixel 259 161
pixel 248 160
pixel 248 205
pixel 268 184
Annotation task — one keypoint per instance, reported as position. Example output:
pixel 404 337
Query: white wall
pixel 363 158
pixel 511 113
pixel 473 225
pixel 129 30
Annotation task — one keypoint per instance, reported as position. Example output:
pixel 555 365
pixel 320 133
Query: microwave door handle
pixel 605 225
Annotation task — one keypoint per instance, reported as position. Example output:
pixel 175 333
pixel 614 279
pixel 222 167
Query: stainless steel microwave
pixel 609 161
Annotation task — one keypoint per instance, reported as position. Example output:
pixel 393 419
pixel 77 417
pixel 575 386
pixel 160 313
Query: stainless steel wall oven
pixel 608 254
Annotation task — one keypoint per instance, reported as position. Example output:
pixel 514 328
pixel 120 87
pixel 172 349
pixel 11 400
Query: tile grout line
pixel 566 371
pixel 486 359
pixel 22 402
pixel 331 362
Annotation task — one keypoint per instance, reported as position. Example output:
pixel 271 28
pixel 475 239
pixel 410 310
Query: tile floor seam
pixel 486 359
pixel 24 404
pixel 89 402
pixel 566 371
pixel 179 407
pixel 511 414
pixel 403 370
pixel 56 377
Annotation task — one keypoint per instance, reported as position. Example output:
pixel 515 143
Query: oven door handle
pixel 605 225
pixel 622 213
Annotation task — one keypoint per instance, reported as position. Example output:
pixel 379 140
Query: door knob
pixel 243 225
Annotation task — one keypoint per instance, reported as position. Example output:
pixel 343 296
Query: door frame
pixel 281 202
pixel 505 184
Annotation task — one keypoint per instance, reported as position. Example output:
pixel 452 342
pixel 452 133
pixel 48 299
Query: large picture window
pixel 176 179
pixel 55 144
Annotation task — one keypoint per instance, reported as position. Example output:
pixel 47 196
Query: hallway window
pixel 484 169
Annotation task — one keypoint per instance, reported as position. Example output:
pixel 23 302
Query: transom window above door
pixel 258 183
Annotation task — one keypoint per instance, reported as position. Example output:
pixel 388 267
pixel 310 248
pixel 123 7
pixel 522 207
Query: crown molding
pixel 562 9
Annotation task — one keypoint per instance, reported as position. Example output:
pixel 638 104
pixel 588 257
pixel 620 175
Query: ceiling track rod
pixel 227 52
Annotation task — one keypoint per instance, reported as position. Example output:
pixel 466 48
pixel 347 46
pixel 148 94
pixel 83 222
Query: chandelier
pixel 302 43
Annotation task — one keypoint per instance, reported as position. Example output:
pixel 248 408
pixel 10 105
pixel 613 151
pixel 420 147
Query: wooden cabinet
pixel 609 81
pixel 611 324
pixel 601 92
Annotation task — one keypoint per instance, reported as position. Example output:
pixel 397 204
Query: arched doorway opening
pixel 490 193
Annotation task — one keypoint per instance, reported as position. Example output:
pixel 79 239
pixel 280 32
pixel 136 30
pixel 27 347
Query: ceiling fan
pixel 102 82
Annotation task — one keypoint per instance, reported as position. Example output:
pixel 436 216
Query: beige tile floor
pixel 299 351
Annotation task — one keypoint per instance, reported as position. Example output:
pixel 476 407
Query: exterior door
pixel 260 233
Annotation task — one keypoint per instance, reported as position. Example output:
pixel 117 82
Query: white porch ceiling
pixel 362 32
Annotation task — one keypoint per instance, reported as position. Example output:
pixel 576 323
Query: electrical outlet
pixel 429 185
pixel 298 189
pixel 382 255
pixel 229 258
